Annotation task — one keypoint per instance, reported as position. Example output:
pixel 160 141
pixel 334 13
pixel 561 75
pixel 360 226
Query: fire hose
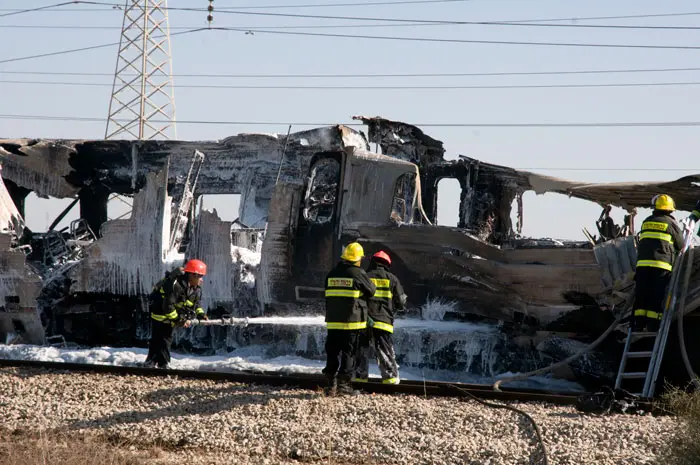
pixel 224 321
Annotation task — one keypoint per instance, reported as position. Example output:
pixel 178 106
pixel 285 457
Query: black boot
pixel 332 388
pixel 345 388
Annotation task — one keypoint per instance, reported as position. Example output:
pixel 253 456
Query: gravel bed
pixel 220 422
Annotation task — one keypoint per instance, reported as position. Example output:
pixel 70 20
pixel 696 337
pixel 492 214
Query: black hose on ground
pixel 681 315
pixel 588 348
pixel 538 433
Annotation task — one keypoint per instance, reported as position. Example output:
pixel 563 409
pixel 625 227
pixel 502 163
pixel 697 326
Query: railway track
pixel 307 381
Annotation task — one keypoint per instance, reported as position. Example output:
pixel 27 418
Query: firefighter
pixel 660 239
pixel 388 297
pixel 347 290
pixel 174 301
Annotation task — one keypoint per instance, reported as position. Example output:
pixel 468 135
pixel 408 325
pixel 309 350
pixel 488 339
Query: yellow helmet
pixel 353 252
pixel 663 202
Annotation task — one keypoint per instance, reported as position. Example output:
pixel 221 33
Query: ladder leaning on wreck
pixel 674 306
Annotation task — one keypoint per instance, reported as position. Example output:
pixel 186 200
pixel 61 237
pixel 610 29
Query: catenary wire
pixel 117 7
pixel 392 23
pixel 526 22
pixel 375 75
pixel 30 10
pixel 443 125
pixel 91 47
pixel 419 39
pixel 358 4
pixel 384 88
pixel 464 41
pixel 259 7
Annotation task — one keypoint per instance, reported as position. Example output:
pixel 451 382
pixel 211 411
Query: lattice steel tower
pixel 142 105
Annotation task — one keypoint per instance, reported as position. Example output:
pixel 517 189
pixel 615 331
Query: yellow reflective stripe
pixel 199 311
pixel 390 381
pixel 341 282
pixel 353 325
pixel 343 293
pixel 656 235
pixel 695 213
pixel 382 283
pixel 648 314
pixel 383 294
pixel 360 380
pixel 655 225
pixel 162 291
pixel 655 264
pixel 189 303
pixel 170 316
pixel 383 326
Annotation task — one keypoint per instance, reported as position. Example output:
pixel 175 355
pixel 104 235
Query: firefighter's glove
pixel 695 215
pixel 202 316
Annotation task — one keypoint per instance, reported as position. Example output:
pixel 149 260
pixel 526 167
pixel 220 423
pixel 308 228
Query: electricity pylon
pixel 142 105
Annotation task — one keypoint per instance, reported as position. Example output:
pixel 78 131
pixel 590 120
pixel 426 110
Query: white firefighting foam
pixel 248 359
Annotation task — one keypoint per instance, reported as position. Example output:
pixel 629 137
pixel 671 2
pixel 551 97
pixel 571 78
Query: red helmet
pixel 196 266
pixel 383 256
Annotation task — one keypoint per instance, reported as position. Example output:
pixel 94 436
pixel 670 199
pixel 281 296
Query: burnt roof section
pixel 628 195
pixel 402 140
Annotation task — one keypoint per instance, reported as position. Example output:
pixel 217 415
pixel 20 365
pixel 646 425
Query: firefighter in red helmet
pixel 174 301
pixel 388 298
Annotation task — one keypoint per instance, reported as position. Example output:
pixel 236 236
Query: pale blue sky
pixel 229 52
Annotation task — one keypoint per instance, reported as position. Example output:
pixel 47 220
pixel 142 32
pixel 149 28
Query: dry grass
pixel 50 448
pixel 684 448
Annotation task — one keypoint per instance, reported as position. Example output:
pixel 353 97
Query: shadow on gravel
pixel 194 401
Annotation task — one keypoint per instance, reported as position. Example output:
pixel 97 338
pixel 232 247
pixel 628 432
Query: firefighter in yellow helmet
pixel 347 290
pixel 660 239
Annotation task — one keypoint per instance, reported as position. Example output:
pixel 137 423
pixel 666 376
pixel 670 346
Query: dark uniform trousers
pixel 651 287
pixel 341 347
pixel 159 345
pixel 384 349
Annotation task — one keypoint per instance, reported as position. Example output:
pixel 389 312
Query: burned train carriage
pixel 89 282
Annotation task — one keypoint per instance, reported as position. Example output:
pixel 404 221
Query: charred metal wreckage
pixel 301 200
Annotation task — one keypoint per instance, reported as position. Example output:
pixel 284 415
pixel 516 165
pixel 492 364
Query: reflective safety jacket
pixel 347 291
pixel 173 299
pixel 660 238
pixel 388 297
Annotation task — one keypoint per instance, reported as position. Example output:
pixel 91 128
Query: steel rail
pixel 315 382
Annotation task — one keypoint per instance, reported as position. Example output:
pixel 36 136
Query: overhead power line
pixel 259 7
pixel 391 23
pixel 444 125
pixel 83 49
pixel 383 87
pixel 30 10
pixel 525 23
pixel 379 75
pixel 118 6
pixel 357 4
pixel 465 41
pixel 353 36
